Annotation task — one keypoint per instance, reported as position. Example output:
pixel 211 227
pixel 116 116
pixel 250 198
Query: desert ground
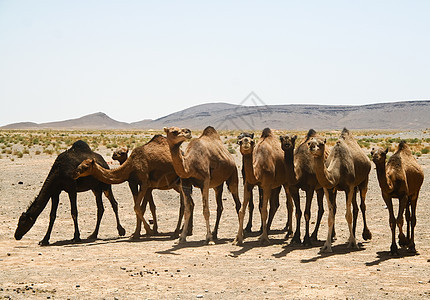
pixel 114 267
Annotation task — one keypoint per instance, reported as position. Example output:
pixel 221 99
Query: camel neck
pixel 382 177
pixel 179 163
pixel 325 179
pixel 115 176
pixel 289 166
pixel 249 168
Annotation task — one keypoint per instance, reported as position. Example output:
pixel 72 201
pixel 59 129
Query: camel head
pixel 24 225
pixel 288 142
pixel 379 155
pixel 177 135
pixel 317 146
pixel 246 142
pixel 84 169
pixel 120 155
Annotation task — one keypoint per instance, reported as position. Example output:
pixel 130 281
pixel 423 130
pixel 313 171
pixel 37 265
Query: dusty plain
pixel 114 267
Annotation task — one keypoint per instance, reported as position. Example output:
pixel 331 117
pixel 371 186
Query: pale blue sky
pixel 144 59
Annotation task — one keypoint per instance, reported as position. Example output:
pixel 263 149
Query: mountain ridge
pixel 400 115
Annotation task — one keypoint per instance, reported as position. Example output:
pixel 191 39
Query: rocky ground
pixel 114 267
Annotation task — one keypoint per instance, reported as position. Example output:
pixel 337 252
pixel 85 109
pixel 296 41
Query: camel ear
pixel 325 141
pixel 295 137
pixel 166 130
pixel 386 151
pixel 252 135
pixel 281 138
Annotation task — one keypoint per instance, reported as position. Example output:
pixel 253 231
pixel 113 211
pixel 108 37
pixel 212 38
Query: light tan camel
pixel 269 171
pixel 246 145
pixel 401 178
pixel 300 167
pixel 345 169
pixel 205 164
pixel 149 166
pixel 121 156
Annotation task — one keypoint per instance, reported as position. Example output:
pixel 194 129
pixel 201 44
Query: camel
pixel 149 166
pixel 121 156
pixel 205 164
pixel 270 172
pixel 60 179
pixel 345 169
pixel 247 144
pixel 300 167
pixel 400 178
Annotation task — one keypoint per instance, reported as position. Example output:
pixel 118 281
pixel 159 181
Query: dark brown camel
pixel 400 178
pixel 299 164
pixel 60 178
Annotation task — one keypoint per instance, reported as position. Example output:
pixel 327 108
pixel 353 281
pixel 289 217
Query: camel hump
pixel 403 146
pixel 345 133
pixel 311 133
pixel 81 146
pixel 159 139
pixel 210 131
pixel 266 133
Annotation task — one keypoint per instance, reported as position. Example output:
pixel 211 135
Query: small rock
pixel 420 281
pixel 8 254
pixel 78 286
pixel 20 182
pixel 199 296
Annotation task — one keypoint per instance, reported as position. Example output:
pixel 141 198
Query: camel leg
pixel 352 243
pixel 247 193
pixel 289 226
pixel 100 210
pixel 413 203
pixel 233 187
pixel 108 193
pixel 181 214
pixel 294 192
pixel 139 212
pixel 309 196
pixel 264 237
pixel 134 188
pixel 354 209
pixel 219 209
pixel 367 235
pixel 402 206
pixel 392 221
pixel 248 227
pixel 74 211
pixel 274 205
pixel 52 216
pixel 149 199
pixel 186 189
pixel 320 201
pixel 206 212
pixel 408 220
pixel 330 196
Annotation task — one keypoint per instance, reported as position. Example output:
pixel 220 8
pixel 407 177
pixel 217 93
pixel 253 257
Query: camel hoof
pixel 181 241
pixel 134 237
pixel 210 242
pixel 296 240
pixel 44 243
pixel 264 240
pixel 307 241
pixel 326 248
pixel 121 231
pixel 238 241
pixel 367 235
pixel 92 237
pixel 394 250
pixel 76 240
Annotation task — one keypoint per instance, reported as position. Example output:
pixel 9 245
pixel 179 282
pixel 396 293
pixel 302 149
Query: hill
pixel 395 115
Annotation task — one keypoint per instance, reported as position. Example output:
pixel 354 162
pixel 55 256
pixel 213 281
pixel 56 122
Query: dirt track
pixel 114 267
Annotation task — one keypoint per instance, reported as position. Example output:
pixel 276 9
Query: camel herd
pixel 271 164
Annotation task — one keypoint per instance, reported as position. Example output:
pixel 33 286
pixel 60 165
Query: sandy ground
pixel 154 267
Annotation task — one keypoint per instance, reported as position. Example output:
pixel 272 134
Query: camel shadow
pixel 288 248
pixel 248 245
pixel 340 249
pixel 192 244
pixel 118 239
pixel 386 255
